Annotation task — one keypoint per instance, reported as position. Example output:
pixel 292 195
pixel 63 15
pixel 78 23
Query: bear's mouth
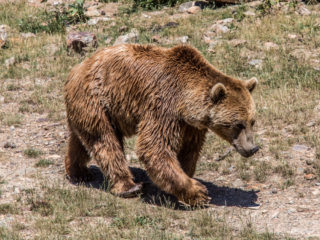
pixel 244 152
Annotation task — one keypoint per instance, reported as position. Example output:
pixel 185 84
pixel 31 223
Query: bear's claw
pixel 132 192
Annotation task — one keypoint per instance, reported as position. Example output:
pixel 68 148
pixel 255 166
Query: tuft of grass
pixel 44 163
pixel 7 208
pixel 7 234
pixel 32 153
pixel 12 119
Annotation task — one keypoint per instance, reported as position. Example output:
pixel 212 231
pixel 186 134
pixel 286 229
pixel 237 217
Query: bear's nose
pixel 254 150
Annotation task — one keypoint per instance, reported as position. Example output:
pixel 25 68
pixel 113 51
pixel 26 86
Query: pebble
pixel 299 148
pixel 256 62
pixel 183 39
pixel 132 36
pixel 300 170
pixel 238 183
pixel 316 192
pixel 249 14
pixel 194 10
pixel 292 36
pixel 12 128
pixel 28 35
pixel 309 176
pixel 9 145
pixel 318 184
pixel 10 61
pixel 1 99
pixel 274 191
pixel 309 162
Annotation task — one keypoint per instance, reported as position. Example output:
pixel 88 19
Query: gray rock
pixel 185 6
pixel 300 148
pixel 300 170
pixel 249 14
pixel 318 184
pixel 225 21
pixel 219 28
pixel 10 61
pixel 183 39
pixel 92 13
pixel 194 10
pixel 304 11
pixel 78 41
pixel 28 35
pixel 3 35
pixel 256 62
pixel 238 183
pixel 274 191
pixel 132 36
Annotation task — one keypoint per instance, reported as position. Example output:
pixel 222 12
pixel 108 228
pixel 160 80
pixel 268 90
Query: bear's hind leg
pixel 76 160
pixel 107 149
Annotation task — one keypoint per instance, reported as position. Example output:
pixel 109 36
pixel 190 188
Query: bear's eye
pixel 241 126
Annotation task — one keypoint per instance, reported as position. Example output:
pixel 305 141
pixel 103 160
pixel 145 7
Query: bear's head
pixel 233 115
pixel 228 110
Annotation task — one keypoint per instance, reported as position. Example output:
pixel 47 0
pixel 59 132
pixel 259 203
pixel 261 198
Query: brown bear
pixel 169 98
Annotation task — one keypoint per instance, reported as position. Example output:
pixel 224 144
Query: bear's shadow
pixel 220 196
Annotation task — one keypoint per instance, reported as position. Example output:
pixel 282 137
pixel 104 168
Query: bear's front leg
pixel 156 147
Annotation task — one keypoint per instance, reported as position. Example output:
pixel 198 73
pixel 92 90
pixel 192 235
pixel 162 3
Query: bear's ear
pixel 218 92
pixel 251 84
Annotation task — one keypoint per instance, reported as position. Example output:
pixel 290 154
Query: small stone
pixel 3 35
pixel 12 128
pixel 1 99
pixel 78 41
pixel 92 13
pixel 219 28
pixel 183 39
pixel 309 161
pixel 270 46
pixel 304 11
pixel 108 40
pixel 300 148
pixel 10 61
pixel 9 145
pixel 185 6
pixel 237 42
pixel 274 191
pixel 300 170
pixel 54 157
pixel 309 176
pixel 28 35
pixel 132 36
pixel 145 15
pixel 238 183
pixel 292 36
pixel 254 207
pixel 194 10
pixel 310 124
pixel 318 184
pixel 156 38
pixel 275 214
pixel 254 4
pixel 93 21
pixel 316 192
pixel 256 63
pixel 225 21
pixel 249 14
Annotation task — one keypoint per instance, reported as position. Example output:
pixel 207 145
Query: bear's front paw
pixel 197 194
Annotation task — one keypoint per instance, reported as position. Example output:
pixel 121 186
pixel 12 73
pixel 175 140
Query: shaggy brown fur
pixel 169 97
